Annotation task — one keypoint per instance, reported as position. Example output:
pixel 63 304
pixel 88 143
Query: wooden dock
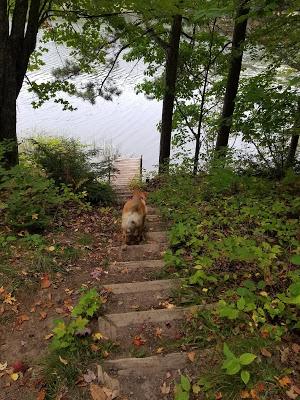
pixel 129 169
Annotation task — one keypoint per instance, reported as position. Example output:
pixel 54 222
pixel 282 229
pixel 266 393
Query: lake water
pixel 128 122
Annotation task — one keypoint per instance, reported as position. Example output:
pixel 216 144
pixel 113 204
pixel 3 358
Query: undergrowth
pixel 235 240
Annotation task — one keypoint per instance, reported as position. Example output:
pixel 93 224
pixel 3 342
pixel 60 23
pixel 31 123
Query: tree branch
pixel 185 118
pixel 113 65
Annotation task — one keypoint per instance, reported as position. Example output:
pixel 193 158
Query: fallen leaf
pixel 191 356
pixel 89 377
pixel 47 337
pixel 138 341
pixel 2 290
pixel 260 387
pixel 9 299
pixel 35 216
pixel 97 273
pixel 14 376
pixel 108 382
pixel 168 305
pixel 253 393
pixel 245 395
pixel 22 318
pixel 51 248
pixel 41 395
pixel 45 282
pixel 43 315
pixel 3 366
pixel 284 381
pixel 265 352
pixel 19 366
pixel 159 350
pixel 158 332
pixel 295 348
pixel 196 389
pixel 63 361
pixel 293 393
pixel 165 389
pixel 97 392
pixel 219 396
pixel 111 394
pixel 98 336
pixel 263 294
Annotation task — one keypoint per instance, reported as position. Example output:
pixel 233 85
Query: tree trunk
pixel 8 134
pixel 169 95
pixel 196 155
pixel 238 39
pixel 290 160
pixel 16 46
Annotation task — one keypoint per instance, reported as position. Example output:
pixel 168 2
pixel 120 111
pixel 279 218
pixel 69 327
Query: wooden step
pixel 147 286
pixel 111 325
pixel 139 252
pixel 144 378
pixel 157 236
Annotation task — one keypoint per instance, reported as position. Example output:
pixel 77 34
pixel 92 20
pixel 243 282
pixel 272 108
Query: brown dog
pixel 133 218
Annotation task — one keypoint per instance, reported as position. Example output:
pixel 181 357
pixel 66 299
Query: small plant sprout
pixel 234 365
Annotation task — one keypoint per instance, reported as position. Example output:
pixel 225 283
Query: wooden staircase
pixel 128 169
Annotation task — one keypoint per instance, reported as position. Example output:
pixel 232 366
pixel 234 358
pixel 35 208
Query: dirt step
pixel 133 271
pixel 153 218
pixel 140 295
pixel 111 325
pixel 142 378
pixel 152 210
pixel 125 366
pixel 138 287
pixel 156 226
pixel 157 236
pixel 139 252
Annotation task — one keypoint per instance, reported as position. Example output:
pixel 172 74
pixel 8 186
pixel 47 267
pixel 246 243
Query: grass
pixel 58 374
pixel 10 278
pixel 85 239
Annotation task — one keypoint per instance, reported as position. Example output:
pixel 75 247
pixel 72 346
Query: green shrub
pixel 29 199
pixel 69 162
pixel 99 193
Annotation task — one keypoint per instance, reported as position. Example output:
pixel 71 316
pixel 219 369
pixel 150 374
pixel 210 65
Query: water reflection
pixel 129 122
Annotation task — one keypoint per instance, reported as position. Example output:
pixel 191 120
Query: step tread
pixel 146 286
pixel 161 362
pixel 110 323
pixel 138 264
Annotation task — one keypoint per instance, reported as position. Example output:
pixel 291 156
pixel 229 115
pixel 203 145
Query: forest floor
pixel 41 279
pixel 142 344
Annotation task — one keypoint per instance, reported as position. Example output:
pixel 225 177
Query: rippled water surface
pixel 129 121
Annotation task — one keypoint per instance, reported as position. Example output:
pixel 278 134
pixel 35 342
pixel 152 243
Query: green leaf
pixel 249 284
pixel 295 259
pixel 241 304
pixel 233 367
pixel 227 352
pixel 245 375
pixel 247 358
pixel 185 383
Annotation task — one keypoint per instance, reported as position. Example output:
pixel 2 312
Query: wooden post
pixel 141 168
